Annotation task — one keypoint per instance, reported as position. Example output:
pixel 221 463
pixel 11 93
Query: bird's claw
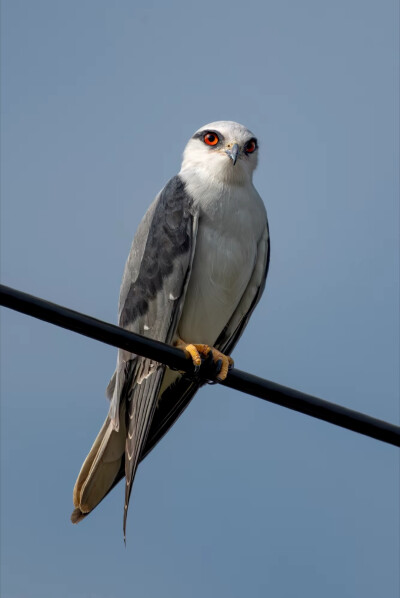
pixel 214 364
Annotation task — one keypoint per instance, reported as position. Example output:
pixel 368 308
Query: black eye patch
pixel 210 137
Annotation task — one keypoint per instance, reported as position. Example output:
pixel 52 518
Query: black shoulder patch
pixel 169 237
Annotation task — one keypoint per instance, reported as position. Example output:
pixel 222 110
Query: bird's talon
pixel 208 358
pixel 218 366
pixel 192 352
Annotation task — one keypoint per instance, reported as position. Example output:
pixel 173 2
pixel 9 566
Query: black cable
pixel 174 358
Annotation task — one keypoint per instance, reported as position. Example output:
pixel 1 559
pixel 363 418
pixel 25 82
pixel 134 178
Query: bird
pixel 195 272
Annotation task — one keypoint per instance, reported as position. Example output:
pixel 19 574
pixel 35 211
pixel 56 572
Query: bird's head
pixel 223 150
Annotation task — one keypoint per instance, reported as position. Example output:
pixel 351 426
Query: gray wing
pixel 151 300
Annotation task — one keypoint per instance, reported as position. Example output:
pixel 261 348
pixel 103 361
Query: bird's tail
pixel 102 468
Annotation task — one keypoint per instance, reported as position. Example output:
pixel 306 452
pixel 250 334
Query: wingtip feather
pixel 77 515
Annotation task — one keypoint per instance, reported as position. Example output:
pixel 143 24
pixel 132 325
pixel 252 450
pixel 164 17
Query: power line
pixel 175 358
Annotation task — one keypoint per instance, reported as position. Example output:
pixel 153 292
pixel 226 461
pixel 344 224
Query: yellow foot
pixel 195 351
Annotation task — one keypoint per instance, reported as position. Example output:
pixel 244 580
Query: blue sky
pixel 241 498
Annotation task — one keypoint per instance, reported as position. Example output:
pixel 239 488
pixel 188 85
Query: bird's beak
pixel 233 153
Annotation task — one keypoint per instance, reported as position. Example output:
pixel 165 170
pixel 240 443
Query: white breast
pixel 232 220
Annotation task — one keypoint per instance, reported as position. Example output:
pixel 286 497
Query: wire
pixel 175 358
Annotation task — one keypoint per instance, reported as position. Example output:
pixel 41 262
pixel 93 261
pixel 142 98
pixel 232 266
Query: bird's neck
pixel 219 179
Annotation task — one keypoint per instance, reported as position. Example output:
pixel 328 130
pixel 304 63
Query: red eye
pixel 211 139
pixel 251 146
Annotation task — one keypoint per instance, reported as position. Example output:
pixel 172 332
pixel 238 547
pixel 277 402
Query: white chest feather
pixel 231 223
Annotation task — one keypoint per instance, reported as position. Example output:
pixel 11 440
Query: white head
pixel 225 151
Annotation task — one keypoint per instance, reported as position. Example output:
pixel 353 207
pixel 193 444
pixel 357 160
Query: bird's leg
pixel 221 362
